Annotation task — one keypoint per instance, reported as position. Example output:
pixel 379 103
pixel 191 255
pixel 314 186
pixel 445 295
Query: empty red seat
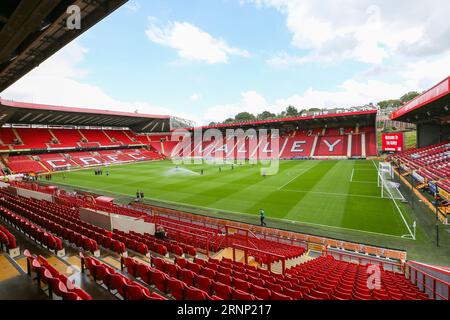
pixel 221 290
pixel 278 296
pixel 133 292
pixel 187 276
pixel 158 279
pixel 241 285
pixel 118 283
pixel 159 264
pixel 260 292
pixel 223 278
pixel 203 283
pixel 192 293
pixel 176 288
pixel 241 295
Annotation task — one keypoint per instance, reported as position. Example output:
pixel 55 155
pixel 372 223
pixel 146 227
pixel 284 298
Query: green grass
pixel 341 195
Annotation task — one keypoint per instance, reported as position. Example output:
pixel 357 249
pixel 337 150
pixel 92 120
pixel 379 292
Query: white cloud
pixel 61 81
pixel 369 31
pixel 192 43
pixel 251 101
pixel 133 6
pixel 195 97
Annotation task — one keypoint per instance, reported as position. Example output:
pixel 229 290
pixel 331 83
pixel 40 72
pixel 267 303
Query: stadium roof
pixel 33 30
pixel 330 117
pixel 36 114
pixel 432 106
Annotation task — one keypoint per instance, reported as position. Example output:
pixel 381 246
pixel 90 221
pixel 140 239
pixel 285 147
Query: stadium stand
pixel 57 283
pixel 118 284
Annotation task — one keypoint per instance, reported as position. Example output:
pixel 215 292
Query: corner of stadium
pixel 109 205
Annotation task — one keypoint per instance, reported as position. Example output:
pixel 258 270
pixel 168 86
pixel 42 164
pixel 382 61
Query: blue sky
pixel 208 59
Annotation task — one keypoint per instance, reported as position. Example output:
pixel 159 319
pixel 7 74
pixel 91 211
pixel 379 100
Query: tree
pixel 244 116
pixel 291 111
pixel 212 123
pixel 229 120
pixel 409 96
pixel 265 115
pixel 393 103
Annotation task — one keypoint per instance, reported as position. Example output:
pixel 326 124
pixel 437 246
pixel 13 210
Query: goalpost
pixel 391 190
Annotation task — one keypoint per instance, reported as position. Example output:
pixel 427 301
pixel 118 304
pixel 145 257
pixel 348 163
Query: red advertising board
pixel 392 142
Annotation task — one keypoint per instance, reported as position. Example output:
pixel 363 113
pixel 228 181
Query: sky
pixel 207 60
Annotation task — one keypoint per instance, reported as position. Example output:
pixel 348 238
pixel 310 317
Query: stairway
pixel 82 135
pixel 53 135
pixel 349 146
pixel 313 149
pixel 17 135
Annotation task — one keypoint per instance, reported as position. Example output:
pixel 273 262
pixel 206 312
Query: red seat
pixel 58 287
pixel 223 278
pixel 274 287
pixel 181 262
pixel 130 264
pixel 159 264
pixel 118 283
pixel 143 272
pixel 203 283
pixel 172 270
pixel 194 267
pixel 221 290
pixel 278 296
pixel 294 294
pixel 192 293
pixel 241 285
pixel 187 276
pixel 241 295
pixel 260 292
pixel 158 279
pixel 133 292
pixel 209 273
pixel 176 288
pixel 82 294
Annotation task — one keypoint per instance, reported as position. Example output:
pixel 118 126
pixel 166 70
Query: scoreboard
pixel 393 142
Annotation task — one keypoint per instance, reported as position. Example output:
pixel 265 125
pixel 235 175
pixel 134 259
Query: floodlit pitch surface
pixel 333 194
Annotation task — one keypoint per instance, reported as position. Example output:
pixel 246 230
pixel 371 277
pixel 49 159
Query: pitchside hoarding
pixel 393 142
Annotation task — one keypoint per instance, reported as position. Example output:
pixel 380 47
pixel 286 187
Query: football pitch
pixel 331 194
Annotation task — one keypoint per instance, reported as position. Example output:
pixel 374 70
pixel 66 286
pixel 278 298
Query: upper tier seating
pixel 67 137
pixel 7 136
pixel 121 136
pixel 34 138
pixel 98 136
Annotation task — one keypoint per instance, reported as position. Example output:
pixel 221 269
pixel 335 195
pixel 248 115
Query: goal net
pixel 389 188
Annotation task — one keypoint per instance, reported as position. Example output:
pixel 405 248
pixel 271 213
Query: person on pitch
pixel 262 217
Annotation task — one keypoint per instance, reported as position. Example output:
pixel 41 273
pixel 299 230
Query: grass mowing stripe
pixel 315 191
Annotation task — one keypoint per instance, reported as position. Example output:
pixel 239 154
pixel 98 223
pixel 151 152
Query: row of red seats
pixel 431 162
pixel 7 238
pixel 32 230
pixel 116 282
pixel 66 224
pixel 184 283
pixel 164 282
pixel 58 284
pixel 326 278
